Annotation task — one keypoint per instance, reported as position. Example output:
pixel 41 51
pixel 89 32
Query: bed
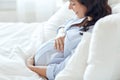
pixel 16 45
pixel 18 41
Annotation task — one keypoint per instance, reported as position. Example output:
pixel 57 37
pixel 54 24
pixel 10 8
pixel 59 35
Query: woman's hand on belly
pixel 59 43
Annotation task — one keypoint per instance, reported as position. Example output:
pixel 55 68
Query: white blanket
pixel 18 41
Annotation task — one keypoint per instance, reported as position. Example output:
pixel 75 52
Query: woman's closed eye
pixel 72 3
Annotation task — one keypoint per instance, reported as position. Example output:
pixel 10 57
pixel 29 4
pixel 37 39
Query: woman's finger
pixel 30 61
pixel 59 43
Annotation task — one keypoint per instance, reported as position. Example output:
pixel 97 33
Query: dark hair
pixel 95 9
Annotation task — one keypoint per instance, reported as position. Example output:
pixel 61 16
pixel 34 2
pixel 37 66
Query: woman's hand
pixel 40 70
pixel 30 62
pixel 59 43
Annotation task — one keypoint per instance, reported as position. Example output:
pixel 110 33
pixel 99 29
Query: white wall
pixel 8 11
pixel 27 10
pixel 8 16
pixel 35 10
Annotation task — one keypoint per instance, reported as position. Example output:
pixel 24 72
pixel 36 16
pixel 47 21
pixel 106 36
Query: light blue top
pixel 48 55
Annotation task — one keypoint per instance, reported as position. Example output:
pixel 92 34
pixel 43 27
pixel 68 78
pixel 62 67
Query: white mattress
pixel 18 41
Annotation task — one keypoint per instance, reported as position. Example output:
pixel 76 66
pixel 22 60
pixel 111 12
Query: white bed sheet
pixel 18 41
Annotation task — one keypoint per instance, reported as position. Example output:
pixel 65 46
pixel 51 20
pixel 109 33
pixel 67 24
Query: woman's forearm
pixel 40 70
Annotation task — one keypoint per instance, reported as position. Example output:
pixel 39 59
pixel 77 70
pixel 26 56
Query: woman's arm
pixel 40 70
pixel 59 45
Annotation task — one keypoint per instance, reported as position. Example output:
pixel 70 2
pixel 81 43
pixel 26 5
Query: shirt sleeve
pixel 54 68
pixel 61 32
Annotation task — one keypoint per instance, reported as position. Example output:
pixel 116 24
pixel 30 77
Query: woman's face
pixel 78 8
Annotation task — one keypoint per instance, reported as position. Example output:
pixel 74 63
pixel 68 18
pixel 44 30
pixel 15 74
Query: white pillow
pixel 111 2
pixel 116 8
pixel 104 56
pixel 61 16
pixel 75 67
